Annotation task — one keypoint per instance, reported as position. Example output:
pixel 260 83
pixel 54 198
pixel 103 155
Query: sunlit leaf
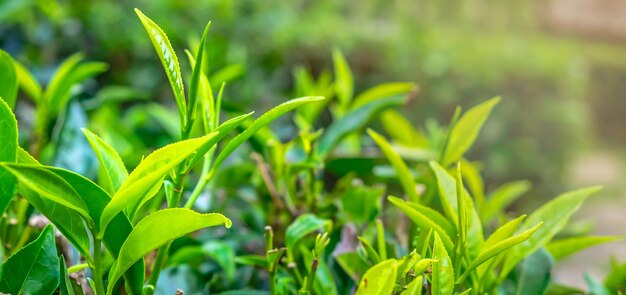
pixel 465 131
pixel 404 174
pixel 443 271
pixel 156 230
pixel 401 130
pixel 169 60
pixel 563 248
pixel 112 172
pixel 261 122
pixel 555 215
pixel 380 279
pixel 139 186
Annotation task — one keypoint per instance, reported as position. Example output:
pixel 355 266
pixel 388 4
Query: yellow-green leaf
pixel 8 153
pixel 404 174
pixel 112 172
pixel 565 247
pixel 443 271
pixel 344 86
pixel 139 186
pixel 156 230
pixel 380 279
pixel 465 131
pixel 169 60
pixel 382 91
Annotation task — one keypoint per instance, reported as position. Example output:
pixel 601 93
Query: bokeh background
pixel 559 65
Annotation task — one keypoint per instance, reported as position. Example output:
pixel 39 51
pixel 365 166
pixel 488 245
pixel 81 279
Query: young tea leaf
pixel 169 60
pixel 404 174
pixel 563 248
pixel 382 91
pixel 380 279
pixel 555 215
pixel 8 79
pixel 301 227
pixel 261 122
pixel 344 86
pixel 139 186
pixel 351 122
pixel 156 230
pixel 401 130
pixel 423 221
pixel 8 153
pixel 34 269
pixel 443 271
pixel 465 131
pixel 112 172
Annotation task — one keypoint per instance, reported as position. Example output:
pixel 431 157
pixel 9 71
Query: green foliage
pixel 32 269
pixel 322 190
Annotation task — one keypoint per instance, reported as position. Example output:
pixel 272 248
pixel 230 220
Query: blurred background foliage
pixel 561 75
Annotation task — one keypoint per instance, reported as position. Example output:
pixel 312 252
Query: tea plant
pixel 309 210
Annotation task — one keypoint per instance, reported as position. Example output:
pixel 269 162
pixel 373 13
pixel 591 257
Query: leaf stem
pixel 95 268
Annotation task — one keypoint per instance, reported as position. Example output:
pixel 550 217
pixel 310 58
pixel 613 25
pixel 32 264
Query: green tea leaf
pixel 34 269
pixel 344 86
pixel 371 253
pixel 8 79
pixel 465 131
pixel 401 130
pixel 563 248
pixel 404 174
pixel 534 273
pixel 196 75
pixel 139 186
pixel 67 286
pixel 49 186
pixel 67 221
pixel 324 282
pixel 555 215
pixel 352 121
pixel 502 198
pixel 303 225
pixel 261 122
pixel 443 271
pixel 498 248
pixel 112 172
pixel 169 60
pixel 69 73
pixel 382 91
pixel 224 130
pixel 8 153
pixel 504 232
pixel 435 217
pixel 120 227
pixel 448 197
pixel 156 230
pixel 380 279
pixel 423 220
pixel 27 82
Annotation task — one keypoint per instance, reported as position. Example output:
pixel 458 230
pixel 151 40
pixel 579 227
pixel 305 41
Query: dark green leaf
pixel 34 269
pixel 353 121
